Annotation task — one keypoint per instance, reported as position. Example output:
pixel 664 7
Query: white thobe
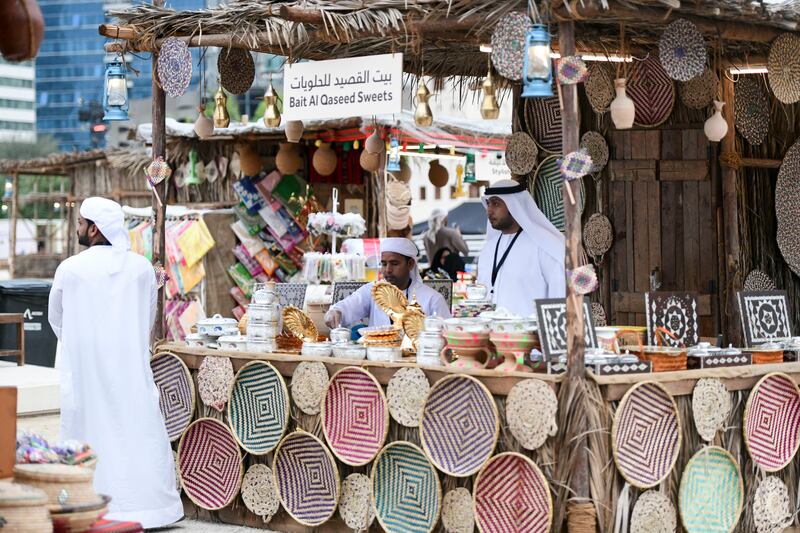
pixel 528 274
pixel 108 396
pixel 360 305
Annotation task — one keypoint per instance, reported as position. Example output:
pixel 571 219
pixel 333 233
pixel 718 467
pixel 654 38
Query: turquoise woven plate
pixel 258 407
pixel 711 493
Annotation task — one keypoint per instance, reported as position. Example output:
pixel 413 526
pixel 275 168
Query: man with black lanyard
pixel 523 258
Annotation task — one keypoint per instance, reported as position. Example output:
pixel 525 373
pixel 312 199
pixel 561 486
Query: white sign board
pixel 340 88
pixel 492 167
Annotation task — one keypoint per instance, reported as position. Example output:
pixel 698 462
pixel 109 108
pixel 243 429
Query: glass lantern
pixel 393 165
pixel 115 97
pixel 537 73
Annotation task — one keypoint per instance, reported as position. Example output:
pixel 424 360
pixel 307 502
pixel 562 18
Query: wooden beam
pixel 730 208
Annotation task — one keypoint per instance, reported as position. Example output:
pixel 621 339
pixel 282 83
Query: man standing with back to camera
pixel 102 308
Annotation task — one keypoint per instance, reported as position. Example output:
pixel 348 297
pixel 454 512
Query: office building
pixel 17 108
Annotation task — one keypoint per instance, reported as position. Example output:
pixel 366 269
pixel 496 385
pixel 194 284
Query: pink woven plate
pixel 355 418
pixel 646 435
pixel 210 464
pixel 512 495
pixel 771 422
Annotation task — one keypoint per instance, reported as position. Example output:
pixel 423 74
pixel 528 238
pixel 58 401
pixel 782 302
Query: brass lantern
pixel 489 108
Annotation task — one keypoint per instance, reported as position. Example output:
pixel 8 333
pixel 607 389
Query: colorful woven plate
pixel 772 421
pixel 547 187
pixel 307 478
pixel 459 426
pixel 176 397
pixel 646 435
pixel 711 492
pixel 174 67
pixel 512 495
pixel 355 418
pixel 258 407
pixel 508 44
pixel 405 489
pixel 652 91
pixel 210 464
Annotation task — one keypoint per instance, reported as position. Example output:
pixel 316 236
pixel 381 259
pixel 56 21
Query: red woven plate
pixel 210 464
pixel 771 422
pixel 652 91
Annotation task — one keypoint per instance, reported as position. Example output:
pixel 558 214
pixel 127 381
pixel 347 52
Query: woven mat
pixel 406 393
pixel 711 405
pixel 458 514
pixel 653 513
pixel 512 494
pixel 682 50
pixel 406 493
pixel 307 478
pixel 259 493
pixel 598 235
pixel 214 379
pixel 508 44
pixel 174 67
pixel 531 427
pixel 547 187
pixel 210 464
pixel 355 505
pixel 698 92
pixel 309 381
pixel 711 492
pixel 772 512
pixel 460 425
pixel 600 87
pixel 543 117
pixel 521 153
pixel 757 280
pixel 751 109
pixel 772 422
pixel 787 207
pixel 176 397
pixel 652 92
pixel 646 435
pixel 355 418
pixel 236 70
pixel 596 145
pixel 258 409
pixel 783 64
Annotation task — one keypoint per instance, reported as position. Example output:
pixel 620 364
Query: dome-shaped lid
pixel 19 495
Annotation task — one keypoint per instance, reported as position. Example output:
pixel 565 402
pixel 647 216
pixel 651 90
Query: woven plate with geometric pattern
pixel 771 422
pixel 711 493
pixel 547 187
pixel 210 464
pixel 406 493
pixel 258 408
pixel 652 92
pixel 512 494
pixel 543 116
pixel 355 418
pixel 682 50
pixel 176 397
pixel 307 478
pixel 646 435
pixel 787 207
pixel 460 425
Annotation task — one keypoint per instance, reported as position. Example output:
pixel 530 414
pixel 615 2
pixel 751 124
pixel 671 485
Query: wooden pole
pixel 576 371
pixel 12 245
pixel 730 209
pixel 159 208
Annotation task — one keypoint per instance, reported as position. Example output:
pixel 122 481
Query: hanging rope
pixel 581 518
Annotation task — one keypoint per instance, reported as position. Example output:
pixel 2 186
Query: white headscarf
pixel 527 214
pixel 406 248
pixel 107 215
pixel 435 223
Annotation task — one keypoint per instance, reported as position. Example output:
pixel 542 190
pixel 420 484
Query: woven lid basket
pixel 24 509
pixel 65 485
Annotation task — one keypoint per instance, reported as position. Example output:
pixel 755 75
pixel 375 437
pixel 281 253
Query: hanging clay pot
pixel 716 127
pixel 370 162
pixel 375 144
pixel 325 160
pixel 203 126
pixel 622 108
pixel 294 130
pixel 249 160
pixel 437 174
pixel 23 29
pixel 288 160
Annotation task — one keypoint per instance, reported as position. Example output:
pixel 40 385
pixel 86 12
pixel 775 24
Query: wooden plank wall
pixel 662 206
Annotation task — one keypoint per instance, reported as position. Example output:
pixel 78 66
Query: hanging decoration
pixel 374 143
pixel 236 70
pixel 221 117
pixel 600 87
pixel 698 92
pixel 437 174
pixel 544 120
pixel 572 70
pixel 469 169
pixel 324 160
pixel 369 161
pixel 508 44
pixel 288 160
pixel 622 108
pixel 490 110
pixel 249 160
pixel 423 116
pixel 597 147
pixel 574 166
pixel 203 126
pixel 174 67
pixel 272 115
pixel 583 279
pixel 294 130
pixel 115 96
pixel 192 177
pixel 652 92
pixel 716 127
pixel 394 155
pixel 783 65
pixel 547 191
pixel 537 76
pixel 751 109
pixel 682 50
pixel 598 236
pixel 521 153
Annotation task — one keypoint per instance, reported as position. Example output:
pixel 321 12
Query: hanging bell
pixel 192 178
pixel 203 126
pixel 221 117
pixel 489 108
pixel 423 116
pixel 272 115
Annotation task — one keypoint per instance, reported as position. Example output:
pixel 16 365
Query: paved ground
pixel 48 427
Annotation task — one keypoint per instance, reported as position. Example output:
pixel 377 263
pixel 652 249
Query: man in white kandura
pixel 523 258
pixel 102 307
pixel 398 267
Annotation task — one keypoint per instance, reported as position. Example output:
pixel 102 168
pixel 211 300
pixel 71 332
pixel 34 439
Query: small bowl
pixel 262 331
pixel 458 339
pixel 196 340
pixel 477 292
pixel 264 314
pixel 340 335
pixel 384 353
pixel 264 297
pixel 316 349
pixel 261 346
pixel 467 325
pixel 235 343
pixel 349 351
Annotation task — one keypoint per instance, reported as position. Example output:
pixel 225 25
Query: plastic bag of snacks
pixel 33 448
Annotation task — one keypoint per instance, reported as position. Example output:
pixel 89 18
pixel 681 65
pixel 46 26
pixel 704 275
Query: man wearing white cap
pixel 398 267
pixel 523 258
pixel 102 307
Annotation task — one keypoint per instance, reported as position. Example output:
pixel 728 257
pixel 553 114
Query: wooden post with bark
pixel 730 210
pixel 159 208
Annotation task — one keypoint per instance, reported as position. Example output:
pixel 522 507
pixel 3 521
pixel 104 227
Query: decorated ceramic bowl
pixel 349 351
pixel 514 325
pixel 340 335
pixel 459 339
pixel 512 342
pixel 467 325
pixel 217 326
pixel 264 313
pixel 197 340
pixel 262 331
pixel 261 346
pixel 234 343
pixel 384 353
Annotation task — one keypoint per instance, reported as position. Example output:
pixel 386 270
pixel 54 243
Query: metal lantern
pixel 393 164
pixel 221 117
pixel 115 97
pixel 192 178
pixel 537 75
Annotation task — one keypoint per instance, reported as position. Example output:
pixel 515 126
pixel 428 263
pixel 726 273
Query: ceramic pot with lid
pixel 234 343
pixel 217 326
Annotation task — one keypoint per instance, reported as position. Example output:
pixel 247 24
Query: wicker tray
pixel 176 394
pixel 772 421
pixel 711 492
pixel 258 407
